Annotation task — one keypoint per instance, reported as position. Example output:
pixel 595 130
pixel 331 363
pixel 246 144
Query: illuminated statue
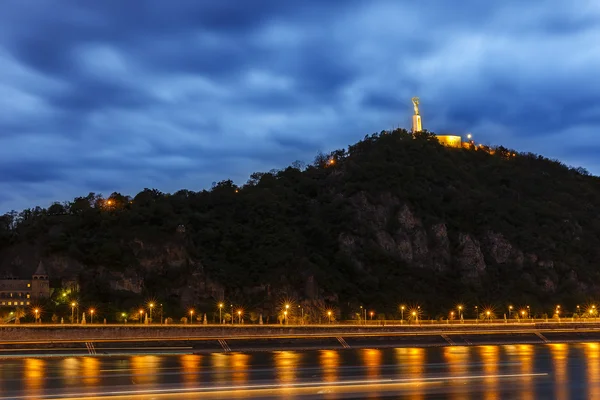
pixel 415 101
pixel 416 119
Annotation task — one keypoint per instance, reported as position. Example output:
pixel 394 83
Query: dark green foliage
pixel 283 226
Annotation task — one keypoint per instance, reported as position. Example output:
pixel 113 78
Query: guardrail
pixel 374 323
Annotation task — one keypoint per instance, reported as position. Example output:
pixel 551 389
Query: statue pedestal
pixel 416 124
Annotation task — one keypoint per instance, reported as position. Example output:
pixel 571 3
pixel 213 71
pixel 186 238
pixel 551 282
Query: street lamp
pixel 239 317
pixel 151 306
pixel 285 317
pixel 73 304
pixel 191 316
pixel 510 308
pixel 488 315
pixel 220 308
pixel 414 314
pixel 329 316
pixel 401 314
pixel 123 315
pixel 141 316
pixel 371 315
pixel 460 315
pixel 91 315
pixel 36 311
pixel 301 314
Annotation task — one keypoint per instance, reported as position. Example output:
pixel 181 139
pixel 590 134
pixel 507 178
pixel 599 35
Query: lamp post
pixel 476 314
pixel 487 313
pixel 401 314
pixel 36 311
pixel 510 308
pixel 329 316
pixel 460 314
pixel 220 309
pixel 73 312
pixel 91 315
pixel 285 317
pixel 191 316
pixel 232 318
pixel 372 315
pixel 301 315
pixel 141 316
pixel 239 317
pixel 161 314
pixel 123 316
pixel 151 306
pixel 451 315
pixel 414 314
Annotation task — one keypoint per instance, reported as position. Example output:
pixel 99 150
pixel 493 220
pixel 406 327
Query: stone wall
pixel 57 333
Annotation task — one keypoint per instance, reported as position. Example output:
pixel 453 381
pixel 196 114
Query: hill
pixel 394 219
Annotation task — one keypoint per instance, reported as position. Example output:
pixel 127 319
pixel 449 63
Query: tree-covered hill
pixel 394 219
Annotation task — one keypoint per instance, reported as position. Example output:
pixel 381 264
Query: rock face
pixel 470 259
pixel 396 229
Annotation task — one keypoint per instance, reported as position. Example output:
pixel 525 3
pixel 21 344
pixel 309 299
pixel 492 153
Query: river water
pixel 525 371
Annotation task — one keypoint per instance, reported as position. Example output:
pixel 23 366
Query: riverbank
pixel 112 340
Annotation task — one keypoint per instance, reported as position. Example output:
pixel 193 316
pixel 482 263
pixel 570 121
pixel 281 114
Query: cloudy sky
pixel 117 95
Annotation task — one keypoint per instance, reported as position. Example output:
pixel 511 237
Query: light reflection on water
pixel 457 358
pixel 489 357
pixel 34 376
pixel 573 371
pixel 559 353
pixel 411 365
pixel 329 360
pixel 592 355
pixel 190 366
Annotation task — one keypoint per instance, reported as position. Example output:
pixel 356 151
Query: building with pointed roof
pixel 17 292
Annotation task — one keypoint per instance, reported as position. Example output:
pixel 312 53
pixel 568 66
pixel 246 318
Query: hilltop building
pixel 417 126
pixel 22 292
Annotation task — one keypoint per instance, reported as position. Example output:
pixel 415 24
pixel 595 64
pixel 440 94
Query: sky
pixel 113 95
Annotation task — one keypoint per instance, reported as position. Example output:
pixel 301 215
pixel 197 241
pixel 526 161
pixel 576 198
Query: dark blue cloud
pixel 121 95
